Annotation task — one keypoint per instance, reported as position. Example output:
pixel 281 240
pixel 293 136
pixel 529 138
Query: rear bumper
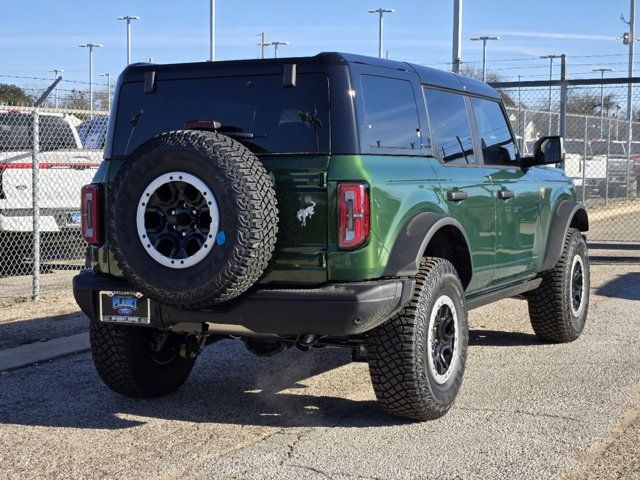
pixel 337 309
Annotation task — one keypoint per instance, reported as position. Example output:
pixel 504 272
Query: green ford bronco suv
pixel 328 201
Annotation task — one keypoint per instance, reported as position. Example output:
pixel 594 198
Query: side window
pixel 55 134
pixel 450 127
pixel 498 147
pixel 391 113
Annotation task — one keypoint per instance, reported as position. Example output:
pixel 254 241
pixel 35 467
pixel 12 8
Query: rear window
pixel 16 133
pixel 282 120
pixel 574 146
pixel 615 148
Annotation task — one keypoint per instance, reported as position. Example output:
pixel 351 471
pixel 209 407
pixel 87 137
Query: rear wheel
pixel 139 361
pixel 417 358
pixel 558 307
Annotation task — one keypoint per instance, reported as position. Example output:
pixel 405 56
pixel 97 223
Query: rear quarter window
pixel 391 113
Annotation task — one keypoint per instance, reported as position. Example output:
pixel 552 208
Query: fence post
pixel 606 168
pixel 584 159
pixel 563 99
pixel 629 140
pixel 35 193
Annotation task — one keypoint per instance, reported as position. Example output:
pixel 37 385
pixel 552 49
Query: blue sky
pixel 38 35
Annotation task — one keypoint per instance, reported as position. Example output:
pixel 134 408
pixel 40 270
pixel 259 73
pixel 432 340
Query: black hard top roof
pixel 427 75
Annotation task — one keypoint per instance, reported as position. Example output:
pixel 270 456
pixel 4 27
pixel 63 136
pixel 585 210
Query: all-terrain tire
pixel 399 351
pixel 554 317
pixel 128 364
pixel 248 218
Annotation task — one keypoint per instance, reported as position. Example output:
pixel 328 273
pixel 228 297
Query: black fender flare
pixel 563 218
pixel 411 243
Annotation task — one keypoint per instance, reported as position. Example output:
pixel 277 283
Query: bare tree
pixel 77 100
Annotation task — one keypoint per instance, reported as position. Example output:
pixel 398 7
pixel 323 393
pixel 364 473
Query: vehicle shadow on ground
pixel 625 286
pixel 228 386
pixel 495 338
pixel 20 332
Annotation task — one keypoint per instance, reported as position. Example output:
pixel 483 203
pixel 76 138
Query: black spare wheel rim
pixel 192 219
pixel 177 219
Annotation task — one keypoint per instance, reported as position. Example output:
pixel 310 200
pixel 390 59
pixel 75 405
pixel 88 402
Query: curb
pixel 31 353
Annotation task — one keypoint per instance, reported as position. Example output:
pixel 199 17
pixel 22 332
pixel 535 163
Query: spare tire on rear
pixel 193 219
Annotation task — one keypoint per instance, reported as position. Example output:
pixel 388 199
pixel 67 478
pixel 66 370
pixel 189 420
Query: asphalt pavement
pixel 526 409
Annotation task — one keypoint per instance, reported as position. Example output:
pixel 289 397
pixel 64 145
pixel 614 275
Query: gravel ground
pixel 526 410
pixel 55 316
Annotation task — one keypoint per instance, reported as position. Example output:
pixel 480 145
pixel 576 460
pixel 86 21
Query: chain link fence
pixel 46 156
pixel 602 144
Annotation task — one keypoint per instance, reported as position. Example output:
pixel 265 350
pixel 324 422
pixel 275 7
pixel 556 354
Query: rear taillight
pixel 90 210
pixel 353 214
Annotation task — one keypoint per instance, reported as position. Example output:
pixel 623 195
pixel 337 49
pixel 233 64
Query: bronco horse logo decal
pixel 305 213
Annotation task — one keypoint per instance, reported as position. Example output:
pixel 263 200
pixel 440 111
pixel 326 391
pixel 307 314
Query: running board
pixel 503 293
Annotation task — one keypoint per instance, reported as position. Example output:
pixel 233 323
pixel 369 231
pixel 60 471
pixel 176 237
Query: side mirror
pixel 546 151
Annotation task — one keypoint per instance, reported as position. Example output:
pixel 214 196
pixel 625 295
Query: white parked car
pixel 65 166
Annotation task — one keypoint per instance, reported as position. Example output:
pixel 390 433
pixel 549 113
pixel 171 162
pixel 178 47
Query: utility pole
pixel 56 73
pixel 108 75
pixel 484 53
pixel 551 58
pixel 91 46
pixel 212 32
pixel 381 12
pixel 630 40
pixel 456 56
pixel 128 18
pixel 263 44
pixel 276 45
pixel 602 72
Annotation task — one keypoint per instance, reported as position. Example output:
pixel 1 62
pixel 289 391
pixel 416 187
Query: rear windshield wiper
pixel 243 135
pixel 216 126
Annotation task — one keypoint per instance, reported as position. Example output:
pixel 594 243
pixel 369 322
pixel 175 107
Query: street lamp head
pixel 91 45
pixel 279 43
pixel 485 37
pixel 382 10
pixel 129 17
pixel 602 70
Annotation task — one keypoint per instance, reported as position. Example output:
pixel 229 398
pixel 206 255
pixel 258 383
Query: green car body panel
pixel 507 239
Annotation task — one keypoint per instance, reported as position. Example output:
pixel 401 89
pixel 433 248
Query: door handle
pixel 505 194
pixel 456 195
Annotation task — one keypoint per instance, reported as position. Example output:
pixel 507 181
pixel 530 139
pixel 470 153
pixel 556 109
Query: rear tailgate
pixel 301 191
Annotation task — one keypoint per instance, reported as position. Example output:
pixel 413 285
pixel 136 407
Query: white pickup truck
pixel 65 166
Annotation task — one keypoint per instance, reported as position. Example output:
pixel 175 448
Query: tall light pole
pixel 456 55
pixel 484 40
pixel 212 32
pixel 108 75
pixel 276 45
pixel 128 18
pixel 381 12
pixel 56 72
pixel 263 44
pixel 602 72
pixel 91 46
pixel 551 58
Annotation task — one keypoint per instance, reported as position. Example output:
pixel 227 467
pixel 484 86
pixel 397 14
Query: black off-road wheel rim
pixel 577 286
pixel 443 340
pixel 177 220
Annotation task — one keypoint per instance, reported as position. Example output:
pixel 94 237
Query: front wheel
pixel 139 361
pixel 558 307
pixel 417 358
